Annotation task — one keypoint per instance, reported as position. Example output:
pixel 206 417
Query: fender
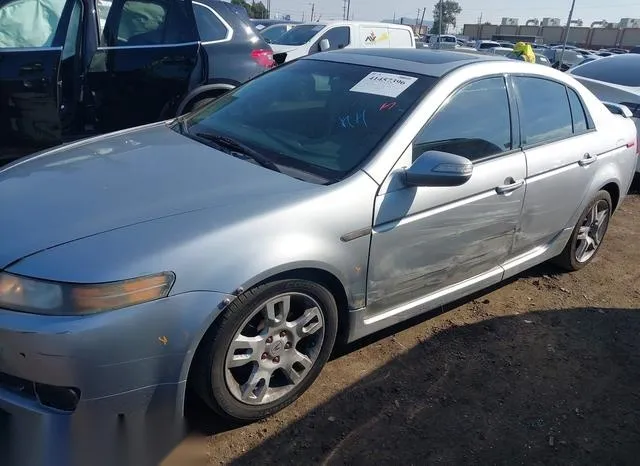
pixel 203 90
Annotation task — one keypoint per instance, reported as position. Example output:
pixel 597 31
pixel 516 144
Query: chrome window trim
pixel 229 35
pixel 154 46
pixel 28 49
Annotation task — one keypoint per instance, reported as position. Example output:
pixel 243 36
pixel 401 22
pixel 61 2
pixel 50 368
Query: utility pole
pixel 344 9
pixel 421 21
pixel 566 36
pixel 440 21
pixel 348 8
pixel 313 7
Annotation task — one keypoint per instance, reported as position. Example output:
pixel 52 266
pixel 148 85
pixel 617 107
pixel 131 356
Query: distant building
pixel 629 23
pixel 551 22
pixel 509 21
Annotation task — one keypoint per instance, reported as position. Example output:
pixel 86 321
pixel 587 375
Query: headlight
pixel 45 297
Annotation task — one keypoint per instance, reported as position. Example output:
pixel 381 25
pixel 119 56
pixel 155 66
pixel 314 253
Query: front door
pixel 428 239
pixel 146 62
pixel 36 45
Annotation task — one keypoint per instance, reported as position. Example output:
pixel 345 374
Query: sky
pixel 491 10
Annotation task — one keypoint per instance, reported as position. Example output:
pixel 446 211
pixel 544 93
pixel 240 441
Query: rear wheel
pixel 269 346
pixel 588 234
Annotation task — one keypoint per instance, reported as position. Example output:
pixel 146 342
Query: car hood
pixel 119 180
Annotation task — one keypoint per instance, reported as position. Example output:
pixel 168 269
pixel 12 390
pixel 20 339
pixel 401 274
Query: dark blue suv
pixel 92 66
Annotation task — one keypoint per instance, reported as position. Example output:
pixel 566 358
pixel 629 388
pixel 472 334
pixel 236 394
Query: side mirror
pixel 435 168
pixel 324 45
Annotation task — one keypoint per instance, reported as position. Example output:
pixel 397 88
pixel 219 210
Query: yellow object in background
pixel 525 51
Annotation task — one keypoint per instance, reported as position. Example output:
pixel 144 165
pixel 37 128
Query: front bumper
pixel 128 368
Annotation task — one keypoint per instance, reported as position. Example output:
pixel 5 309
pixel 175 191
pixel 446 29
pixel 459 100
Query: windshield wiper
pixel 239 148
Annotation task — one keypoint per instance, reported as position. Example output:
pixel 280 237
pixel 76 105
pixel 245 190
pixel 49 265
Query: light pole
pixel 566 35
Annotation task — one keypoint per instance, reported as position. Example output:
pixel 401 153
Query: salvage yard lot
pixel 542 370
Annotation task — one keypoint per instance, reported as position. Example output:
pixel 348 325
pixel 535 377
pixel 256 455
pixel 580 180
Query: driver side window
pixel 338 37
pixel 474 122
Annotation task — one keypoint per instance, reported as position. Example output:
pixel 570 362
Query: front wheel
pixel 588 234
pixel 268 348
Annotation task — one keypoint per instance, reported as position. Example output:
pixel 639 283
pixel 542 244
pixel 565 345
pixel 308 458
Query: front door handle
pixel 588 159
pixel 510 187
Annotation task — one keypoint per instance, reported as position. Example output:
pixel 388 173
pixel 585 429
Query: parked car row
pixel 95 66
pixel 227 250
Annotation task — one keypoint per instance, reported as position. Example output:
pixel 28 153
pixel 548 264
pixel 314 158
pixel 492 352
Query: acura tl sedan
pixel 228 250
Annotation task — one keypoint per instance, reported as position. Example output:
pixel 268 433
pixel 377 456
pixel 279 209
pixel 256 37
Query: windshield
pixel 317 117
pixel 272 33
pixel 623 70
pixel 300 34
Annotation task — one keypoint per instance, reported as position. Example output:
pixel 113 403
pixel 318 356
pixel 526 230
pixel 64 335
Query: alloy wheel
pixel 275 348
pixel 592 231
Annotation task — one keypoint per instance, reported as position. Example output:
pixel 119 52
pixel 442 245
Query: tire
pixel 225 378
pixel 570 258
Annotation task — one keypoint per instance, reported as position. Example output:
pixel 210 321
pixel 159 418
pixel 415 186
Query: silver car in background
pixel 614 79
pixel 229 249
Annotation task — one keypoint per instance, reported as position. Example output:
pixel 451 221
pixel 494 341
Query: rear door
pixel 32 40
pixel 561 148
pixel 147 61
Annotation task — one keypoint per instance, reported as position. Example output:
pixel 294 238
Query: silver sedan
pixel 228 250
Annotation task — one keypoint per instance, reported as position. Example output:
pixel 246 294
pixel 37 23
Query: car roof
pixel 434 63
pixel 360 23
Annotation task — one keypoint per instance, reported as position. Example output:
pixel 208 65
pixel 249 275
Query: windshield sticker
pixel 353 121
pixel 385 84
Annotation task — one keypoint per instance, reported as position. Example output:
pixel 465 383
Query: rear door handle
pixel 588 159
pixel 510 187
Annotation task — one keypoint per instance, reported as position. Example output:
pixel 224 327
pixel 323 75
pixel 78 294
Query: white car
pixel 614 79
pixel 305 39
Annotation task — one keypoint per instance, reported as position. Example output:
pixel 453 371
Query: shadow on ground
pixel 545 387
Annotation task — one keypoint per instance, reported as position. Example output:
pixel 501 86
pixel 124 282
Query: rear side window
pixel 545 114
pixel 142 22
pixel 29 23
pixel 210 26
pixel 474 123
pixel 578 113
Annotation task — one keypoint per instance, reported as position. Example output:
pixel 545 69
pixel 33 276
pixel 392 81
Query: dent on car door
pixel 145 62
pixel 32 38
pixel 428 238
pixel 561 149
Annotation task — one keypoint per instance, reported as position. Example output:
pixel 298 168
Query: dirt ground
pixel 544 369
